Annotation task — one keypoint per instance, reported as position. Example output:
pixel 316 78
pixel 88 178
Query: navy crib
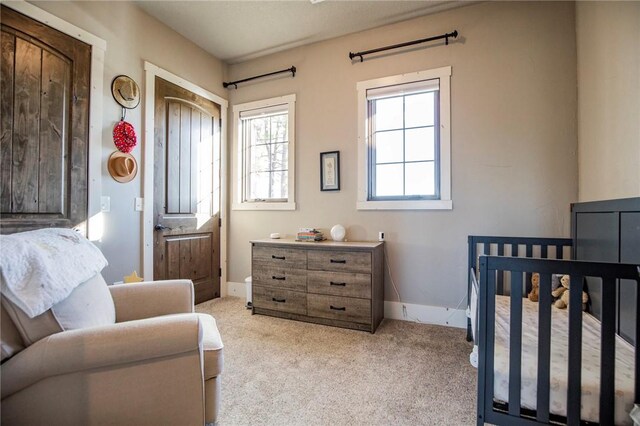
pixel 491 269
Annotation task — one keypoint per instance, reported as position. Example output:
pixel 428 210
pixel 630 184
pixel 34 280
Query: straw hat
pixel 122 167
pixel 125 91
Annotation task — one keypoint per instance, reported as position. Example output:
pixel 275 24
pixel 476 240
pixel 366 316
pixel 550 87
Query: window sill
pixel 264 206
pixel 405 205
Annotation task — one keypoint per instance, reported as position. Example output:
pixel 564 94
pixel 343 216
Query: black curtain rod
pixel 292 70
pixel 446 36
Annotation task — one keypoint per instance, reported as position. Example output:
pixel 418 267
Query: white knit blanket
pixel 41 268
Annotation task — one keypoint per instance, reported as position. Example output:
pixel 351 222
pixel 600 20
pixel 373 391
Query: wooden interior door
pixel 187 189
pixel 44 128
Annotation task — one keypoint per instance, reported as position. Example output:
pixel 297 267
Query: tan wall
pixel 513 144
pixel 608 45
pixel 132 37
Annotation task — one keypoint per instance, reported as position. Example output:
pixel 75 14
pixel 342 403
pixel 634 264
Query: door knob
pixel 161 227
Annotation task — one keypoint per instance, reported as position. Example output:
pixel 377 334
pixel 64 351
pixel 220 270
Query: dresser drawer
pixel 267 275
pixel 280 257
pixel 339 308
pixel 279 300
pixel 346 284
pixel 341 261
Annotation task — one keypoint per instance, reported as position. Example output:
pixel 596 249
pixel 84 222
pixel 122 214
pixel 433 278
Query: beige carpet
pixel 282 372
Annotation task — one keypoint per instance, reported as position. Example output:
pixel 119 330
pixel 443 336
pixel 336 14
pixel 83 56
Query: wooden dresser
pixel 332 283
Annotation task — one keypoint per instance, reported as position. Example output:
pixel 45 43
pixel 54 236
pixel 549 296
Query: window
pixel 264 141
pixel 404 141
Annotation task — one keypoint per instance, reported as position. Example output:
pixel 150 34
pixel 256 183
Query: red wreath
pixel 124 136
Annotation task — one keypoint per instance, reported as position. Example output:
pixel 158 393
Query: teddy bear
pixel 534 294
pixel 562 293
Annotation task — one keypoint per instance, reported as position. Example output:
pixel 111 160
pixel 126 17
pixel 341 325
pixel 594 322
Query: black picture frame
pixel 330 171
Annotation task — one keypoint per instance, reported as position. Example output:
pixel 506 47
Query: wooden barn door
pixel 187 189
pixel 44 100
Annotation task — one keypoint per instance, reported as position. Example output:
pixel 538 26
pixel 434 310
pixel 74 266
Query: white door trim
pixel 94 227
pixel 151 72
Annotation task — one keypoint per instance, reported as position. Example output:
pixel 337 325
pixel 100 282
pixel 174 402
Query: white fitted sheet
pixel 559 363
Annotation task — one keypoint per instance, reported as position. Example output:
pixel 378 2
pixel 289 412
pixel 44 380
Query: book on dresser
pixel 332 283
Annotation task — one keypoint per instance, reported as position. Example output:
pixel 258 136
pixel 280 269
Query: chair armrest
pixel 103 347
pixel 152 298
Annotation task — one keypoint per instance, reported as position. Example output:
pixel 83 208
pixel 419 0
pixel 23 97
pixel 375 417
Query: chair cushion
pixel 90 304
pixel 212 347
pixel 11 342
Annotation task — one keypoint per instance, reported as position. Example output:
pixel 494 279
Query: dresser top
pixel 318 244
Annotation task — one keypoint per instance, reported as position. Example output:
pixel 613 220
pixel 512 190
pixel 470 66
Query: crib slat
pixel 500 289
pixel 515 344
pixel 559 250
pixel 637 342
pixel 490 303
pixel 544 348
pixel 608 351
pixel 529 250
pixel 575 351
pixel 543 251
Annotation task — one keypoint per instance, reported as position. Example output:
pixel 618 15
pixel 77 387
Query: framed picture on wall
pixel 330 171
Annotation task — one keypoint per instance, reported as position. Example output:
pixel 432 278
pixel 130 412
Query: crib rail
pixel 533 247
pixel 490 268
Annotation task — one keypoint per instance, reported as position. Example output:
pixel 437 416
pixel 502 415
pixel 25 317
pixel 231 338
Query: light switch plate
pixel 105 203
pixel 138 205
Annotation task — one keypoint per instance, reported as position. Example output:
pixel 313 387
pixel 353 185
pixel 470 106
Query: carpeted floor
pixel 282 372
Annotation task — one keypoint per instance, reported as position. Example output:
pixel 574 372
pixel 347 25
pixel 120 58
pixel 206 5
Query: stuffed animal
pixel 562 293
pixel 534 294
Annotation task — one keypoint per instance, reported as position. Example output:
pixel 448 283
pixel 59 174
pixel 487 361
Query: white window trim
pixel 238 203
pixel 445 202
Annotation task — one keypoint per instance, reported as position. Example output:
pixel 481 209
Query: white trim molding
pixel 151 72
pixel 425 314
pixel 445 202
pixel 94 225
pixel 238 202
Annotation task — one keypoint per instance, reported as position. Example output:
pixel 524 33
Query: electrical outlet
pixel 381 236
pixel 138 205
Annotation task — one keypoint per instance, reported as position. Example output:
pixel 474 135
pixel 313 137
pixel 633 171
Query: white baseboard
pixel 425 314
pixel 233 289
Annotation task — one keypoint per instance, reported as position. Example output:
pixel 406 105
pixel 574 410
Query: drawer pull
pixel 338 261
pixel 338 284
pixel 278 300
pixel 273 277
pixel 273 256
pixel 335 308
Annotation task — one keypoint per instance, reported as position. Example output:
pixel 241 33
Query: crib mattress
pixel 559 363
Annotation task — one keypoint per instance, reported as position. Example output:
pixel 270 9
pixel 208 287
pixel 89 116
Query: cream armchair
pixel 160 363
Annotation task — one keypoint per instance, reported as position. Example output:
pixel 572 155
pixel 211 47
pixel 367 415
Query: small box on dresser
pixel 332 283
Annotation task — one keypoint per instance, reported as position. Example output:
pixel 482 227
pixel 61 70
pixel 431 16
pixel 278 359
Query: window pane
pixel 258 185
pixel 279 128
pixel 279 156
pixel 419 144
pixel 388 114
pixel 420 178
pixel 259 130
pixel 388 180
pixel 388 146
pixel 259 160
pixel 279 184
pixel 419 110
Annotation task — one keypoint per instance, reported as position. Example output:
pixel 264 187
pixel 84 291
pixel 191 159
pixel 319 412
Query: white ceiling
pixel 236 31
